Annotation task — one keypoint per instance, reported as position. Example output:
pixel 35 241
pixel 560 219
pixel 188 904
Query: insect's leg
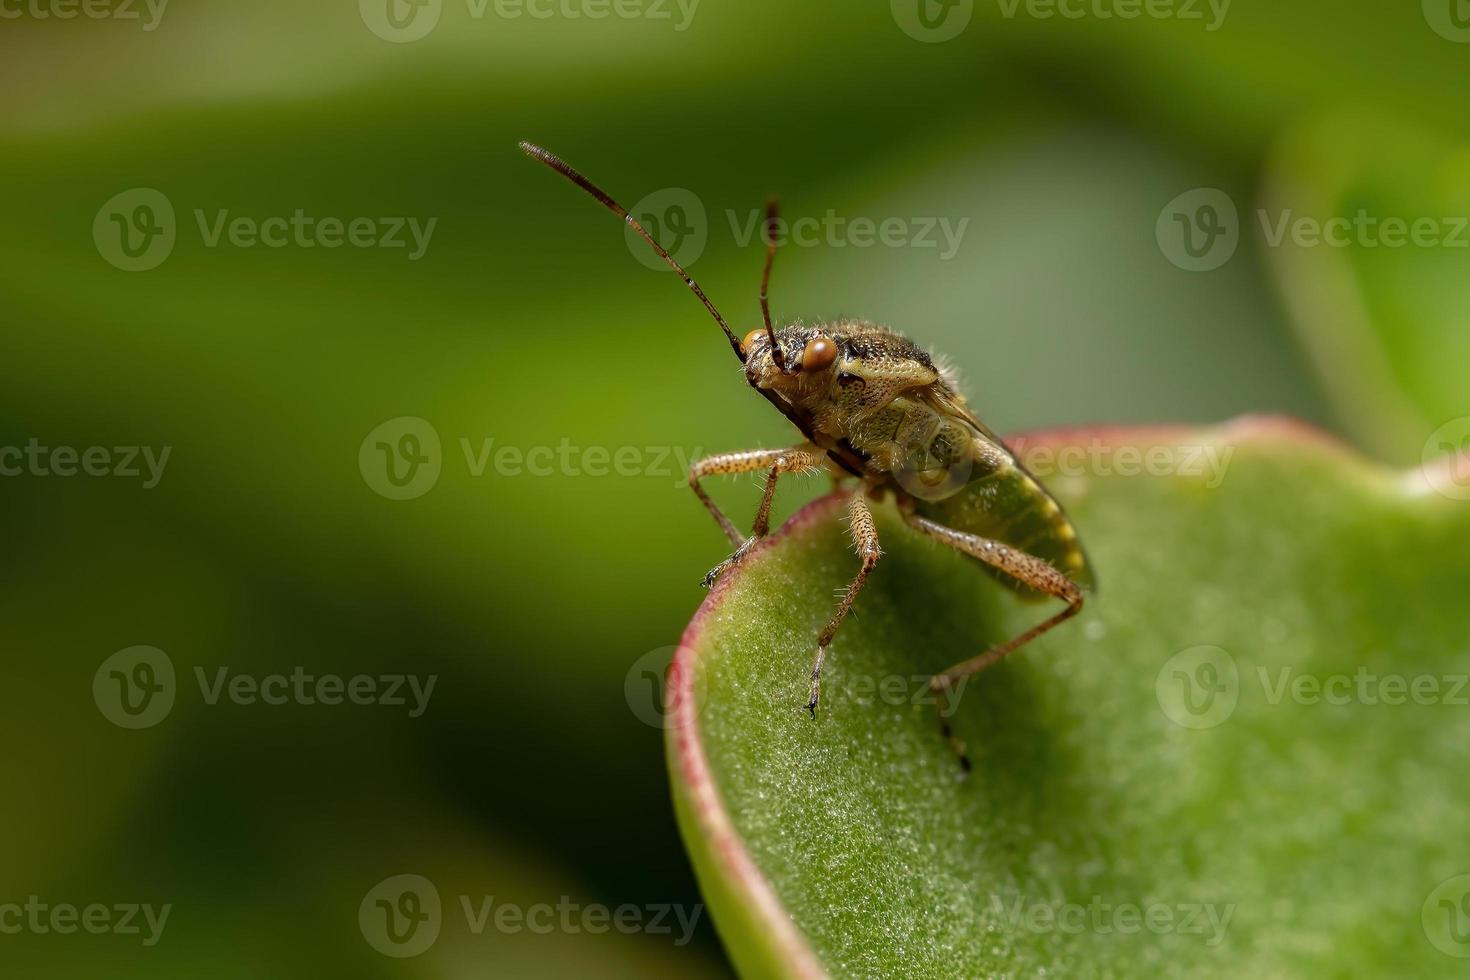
pixel 1025 568
pixel 720 465
pixel 865 537
pixel 778 461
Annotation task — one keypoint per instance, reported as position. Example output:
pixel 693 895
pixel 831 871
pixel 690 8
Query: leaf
pixel 1280 816
pixel 1381 297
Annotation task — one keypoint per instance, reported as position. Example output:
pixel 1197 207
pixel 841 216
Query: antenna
pixel 769 227
pixel 570 173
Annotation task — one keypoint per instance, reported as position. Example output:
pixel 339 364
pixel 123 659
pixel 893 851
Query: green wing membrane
pixel 1001 500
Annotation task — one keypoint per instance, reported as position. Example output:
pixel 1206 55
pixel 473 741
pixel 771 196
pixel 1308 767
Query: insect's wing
pixel 1002 500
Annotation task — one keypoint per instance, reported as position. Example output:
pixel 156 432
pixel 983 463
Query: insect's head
pixel 798 356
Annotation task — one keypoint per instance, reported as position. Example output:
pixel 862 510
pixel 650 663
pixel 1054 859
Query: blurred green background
pixel 541 602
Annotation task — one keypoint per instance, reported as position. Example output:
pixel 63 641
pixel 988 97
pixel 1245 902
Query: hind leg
pixel 1025 568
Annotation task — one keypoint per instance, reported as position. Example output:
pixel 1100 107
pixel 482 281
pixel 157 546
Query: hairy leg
pixel 777 462
pixel 1025 568
pixel 865 537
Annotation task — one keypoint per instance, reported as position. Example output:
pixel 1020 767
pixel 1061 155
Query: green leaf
pixel 1245 758
pixel 1381 298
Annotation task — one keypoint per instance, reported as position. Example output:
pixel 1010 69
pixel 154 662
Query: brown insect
pixel 883 417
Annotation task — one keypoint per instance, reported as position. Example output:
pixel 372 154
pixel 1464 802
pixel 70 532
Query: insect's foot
pixel 714 573
pixel 816 690
pixel 956 745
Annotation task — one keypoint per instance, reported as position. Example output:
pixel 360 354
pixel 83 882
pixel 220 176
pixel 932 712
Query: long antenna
pixel 770 231
pixel 570 173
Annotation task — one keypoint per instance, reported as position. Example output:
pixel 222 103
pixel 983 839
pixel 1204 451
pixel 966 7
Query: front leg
pixel 777 461
pixel 865 539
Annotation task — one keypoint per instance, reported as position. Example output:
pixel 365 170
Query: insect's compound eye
pixel 750 339
pixel 818 354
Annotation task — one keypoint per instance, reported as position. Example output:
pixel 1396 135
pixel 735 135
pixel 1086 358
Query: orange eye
pixel 750 339
pixel 818 354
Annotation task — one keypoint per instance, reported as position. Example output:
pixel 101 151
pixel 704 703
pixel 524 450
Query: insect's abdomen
pixel 1001 501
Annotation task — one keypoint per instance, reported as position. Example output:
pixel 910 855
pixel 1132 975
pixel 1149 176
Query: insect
pixel 882 416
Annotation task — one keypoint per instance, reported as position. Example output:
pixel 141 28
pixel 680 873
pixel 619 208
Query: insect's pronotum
pixel 883 418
